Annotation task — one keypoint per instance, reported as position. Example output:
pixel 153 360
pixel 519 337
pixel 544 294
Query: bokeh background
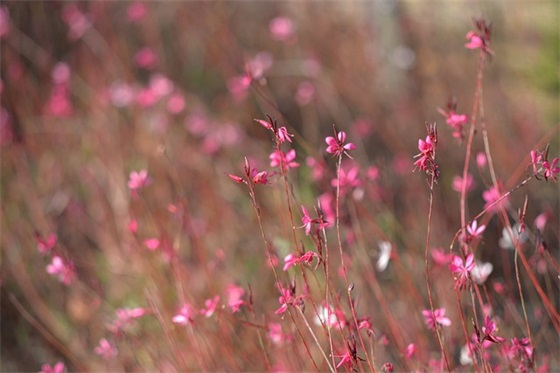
pixel 91 91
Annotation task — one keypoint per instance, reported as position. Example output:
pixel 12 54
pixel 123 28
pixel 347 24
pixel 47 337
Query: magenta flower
pixel 259 177
pixel 63 269
pixel 210 306
pixel 437 318
pixel 290 260
pixel 474 41
pixel 234 294
pixel 410 351
pixel 458 183
pixel 278 157
pixel 105 349
pixel 138 180
pixel 453 119
pixel 152 243
pixel 185 315
pixel 57 368
pixel 474 230
pixel 308 222
pixel 336 145
pixel 283 135
pixel 441 257
pixel 281 28
pixel 461 271
pixel 490 329
pixel 481 38
pixel 426 161
pixel 550 169
pixel 45 245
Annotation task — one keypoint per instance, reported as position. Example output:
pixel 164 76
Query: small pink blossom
pixel 281 28
pixel 60 74
pixel 56 368
pixel 234 294
pixel 176 103
pixel 133 226
pixel 453 119
pixel 426 161
pixel 458 183
pixel 410 351
pixel 305 93
pixel 348 179
pixel 126 317
pixel 152 243
pixel 551 169
pixel 275 334
pixel 78 23
pixel 278 157
pixel 105 349
pixel 59 103
pixel 238 86
pixel 138 180
pixel 481 160
pixel 210 305
pixel 136 11
pixel 290 260
pixel 336 145
pixel 441 257
pixel 185 315
pixel 475 41
pixel 45 245
pixel 146 58
pixel 462 271
pixel 480 39
pixel 437 318
pixel 490 329
pixel 308 223
pixel 474 230
pixel 491 197
pixel 63 269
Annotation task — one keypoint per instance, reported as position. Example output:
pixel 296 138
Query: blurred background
pixel 91 91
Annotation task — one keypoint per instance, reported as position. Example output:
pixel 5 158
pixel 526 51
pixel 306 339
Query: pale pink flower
pixel 305 93
pixel 238 86
pixel 105 349
pixel 491 197
pixel 481 160
pixel 474 41
pixel 176 103
pixel 45 245
pixel 138 180
pixel 63 269
pixel 133 226
pixel 348 179
pixel 152 243
pixel 458 183
pixel 410 351
pixel 258 65
pixel 490 329
pixel 210 305
pixel 78 23
pixel 462 271
pixel 336 145
pixel 436 318
pixel 56 368
pixel 121 94
pixel 441 257
pixel 283 135
pixel 275 334
pixel 234 294
pixel 278 157
pixel 474 230
pixel 281 28
pixel 425 161
pixel 185 315
pixel 59 104
pixel 146 58
pixel 60 74
pixel 136 11
pixel 146 98
pixel 125 317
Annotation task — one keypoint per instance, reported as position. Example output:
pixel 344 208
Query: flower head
pixel 138 180
pixel 462 271
pixel 278 157
pixel 63 269
pixel 336 145
pixel 436 318
pixel 480 39
pixel 105 349
pixel 57 368
pixel 185 315
pixel 490 329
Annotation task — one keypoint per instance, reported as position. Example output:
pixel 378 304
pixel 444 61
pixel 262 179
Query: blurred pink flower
pixel 78 23
pixel 437 318
pixel 136 11
pixel 160 85
pixel 258 65
pixel 290 260
pixel 185 315
pixel 44 245
pixel 59 103
pixel 458 183
pixel 278 157
pixel 276 336
pixel 238 86
pixel 348 179
pixel 281 28
pixel 56 368
pixel 105 349
pixel 410 351
pixel 441 257
pixel 125 318
pixel 63 269
pixel 474 41
pixel 61 73
pixel 305 93
pixel 176 103
pixel 121 94
pixel 152 243
pixel 138 180
pixel 133 226
pixel 474 230
pixel 146 58
pixel 481 160
pixel 491 197
pixel 234 294
pixel 210 306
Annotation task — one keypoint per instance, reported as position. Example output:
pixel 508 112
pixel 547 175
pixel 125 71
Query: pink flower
pixel 474 230
pixel 461 271
pixel 152 243
pixel 238 86
pixel 281 28
pixel 348 179
pixel 275 334
pixel 481 160
pixel 136 11
pixel 441 257
pixel 64 270
pixel 336 145
pixel 458 183
pixel 278 157
pixel 550 169
pixel 425 161
pixel 78 23
pixel 234 294
pixel 138 180
pixel 305 93
pixel 475 41
pixel 125 317
pixel 290 260
pixel 437 318
pixel 283 135
pixel 210 306
pixel 57 368
pixel 453 119
pixel 492 196
pixel 308 222
pixel 45 245
pixel 490 329
pixel 133 226
pixel 410 351
pixel 176 103
pixel 146 58
pixel 185 315
pixel 481 38
pixel 105 349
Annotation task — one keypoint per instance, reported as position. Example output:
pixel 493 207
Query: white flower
pixel 481 272
pixel 385 248
pixel 508 241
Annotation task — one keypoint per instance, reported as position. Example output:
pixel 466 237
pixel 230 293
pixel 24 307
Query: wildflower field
pixel 366 186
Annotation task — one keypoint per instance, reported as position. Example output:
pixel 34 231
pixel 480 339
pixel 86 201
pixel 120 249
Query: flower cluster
pixel 336 145
pixel 542 167
pixel 426 158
